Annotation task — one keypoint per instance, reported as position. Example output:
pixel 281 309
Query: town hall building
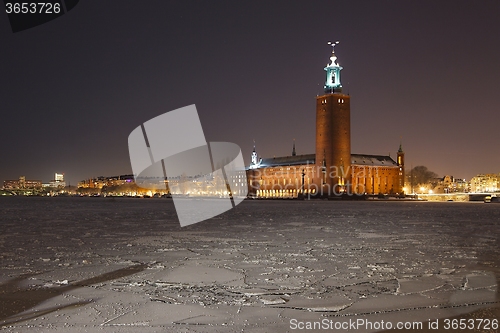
pixel 332 170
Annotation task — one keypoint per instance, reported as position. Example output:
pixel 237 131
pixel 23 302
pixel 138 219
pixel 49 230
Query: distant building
pixel 333 169
pixel 208 185
pixel 100 182
pixel 485 183
pixel 22 184
pixel 58 181
pixel 450 184
pixel 461 185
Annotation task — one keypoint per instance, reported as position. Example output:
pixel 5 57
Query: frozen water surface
pixel 125 265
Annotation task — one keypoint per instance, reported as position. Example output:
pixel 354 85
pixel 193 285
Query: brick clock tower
pixel 401 164
pixel 333 134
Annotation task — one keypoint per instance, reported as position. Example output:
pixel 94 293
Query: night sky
pixel 73 89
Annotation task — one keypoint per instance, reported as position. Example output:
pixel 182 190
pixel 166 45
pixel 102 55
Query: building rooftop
pixel 356 159
pixel 376 160
pixel 288 160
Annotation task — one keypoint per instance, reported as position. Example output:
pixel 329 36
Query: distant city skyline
pixel 421 74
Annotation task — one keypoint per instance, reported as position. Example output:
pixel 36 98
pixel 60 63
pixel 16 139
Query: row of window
pixel 284 181
pixel 340 101
pixel 283 192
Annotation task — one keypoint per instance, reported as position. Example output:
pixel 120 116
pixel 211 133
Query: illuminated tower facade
pixel 333 133
pixel 401 164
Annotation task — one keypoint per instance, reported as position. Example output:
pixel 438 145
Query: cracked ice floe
pixel 267 300
pixel 419 285
pixel 330 304
pixel 480 280
pixel 199 275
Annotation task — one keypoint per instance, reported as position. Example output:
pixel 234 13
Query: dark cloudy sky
pixel 73 89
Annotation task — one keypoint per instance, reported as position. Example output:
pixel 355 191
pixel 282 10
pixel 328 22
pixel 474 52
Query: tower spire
pixel 332 83
pixel 401 164
pixel 293 150
pixel 255 158
pixel 254 155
